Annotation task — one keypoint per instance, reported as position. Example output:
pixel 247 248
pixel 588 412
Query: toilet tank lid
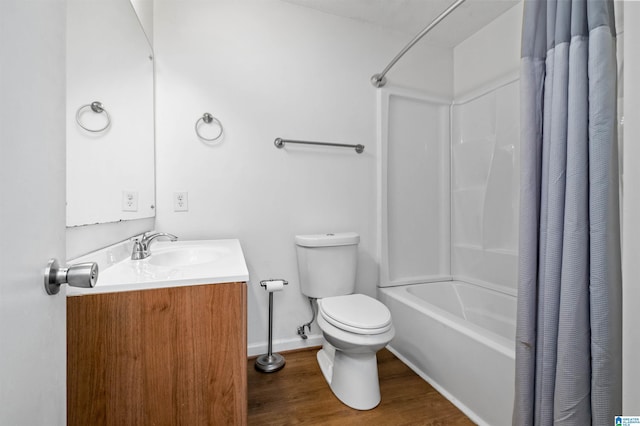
pixel 328 240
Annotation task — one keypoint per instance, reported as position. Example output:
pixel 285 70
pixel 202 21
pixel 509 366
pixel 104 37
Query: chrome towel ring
pixel 208 119
pixel 98 109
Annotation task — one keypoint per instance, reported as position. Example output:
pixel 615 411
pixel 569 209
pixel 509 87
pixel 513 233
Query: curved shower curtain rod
pixel 379 80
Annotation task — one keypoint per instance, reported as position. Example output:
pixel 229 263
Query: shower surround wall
pixel 485 181
pixel 485 155
pixel 272 69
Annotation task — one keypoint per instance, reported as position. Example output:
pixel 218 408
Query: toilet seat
pixel 356 313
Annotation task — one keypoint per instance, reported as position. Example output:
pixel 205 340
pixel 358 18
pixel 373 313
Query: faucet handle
pixel 138 250
pixel 145 237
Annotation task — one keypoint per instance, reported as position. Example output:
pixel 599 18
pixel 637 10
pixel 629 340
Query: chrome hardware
pixel 208 119
pixel 279 143
pixel 379 80
pixel 83 275
pixel 270 362
pixel 98 109
pixel 142 247
pixel 301 332
pixel 263 283
pixel 138 252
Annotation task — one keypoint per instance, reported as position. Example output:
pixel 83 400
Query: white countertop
pixel 223 261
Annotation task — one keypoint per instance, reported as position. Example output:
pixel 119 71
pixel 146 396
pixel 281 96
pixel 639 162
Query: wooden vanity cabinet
pixel 169 356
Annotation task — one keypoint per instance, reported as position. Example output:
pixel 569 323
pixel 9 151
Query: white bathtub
pixel 459 337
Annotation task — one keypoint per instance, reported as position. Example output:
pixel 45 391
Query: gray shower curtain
pixel 568 338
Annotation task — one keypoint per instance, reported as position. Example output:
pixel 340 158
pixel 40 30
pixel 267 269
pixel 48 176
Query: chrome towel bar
pixel 279 143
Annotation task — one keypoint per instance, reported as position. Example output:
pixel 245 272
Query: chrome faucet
pixel 142 247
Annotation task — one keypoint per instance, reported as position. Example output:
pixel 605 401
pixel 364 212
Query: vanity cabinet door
pixel 171 356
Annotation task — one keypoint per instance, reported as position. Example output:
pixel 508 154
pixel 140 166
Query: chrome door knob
pixel 83 275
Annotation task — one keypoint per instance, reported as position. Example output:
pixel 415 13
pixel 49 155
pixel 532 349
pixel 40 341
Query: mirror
pixel 110 172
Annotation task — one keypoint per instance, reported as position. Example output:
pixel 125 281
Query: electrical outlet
pixel 180 201
pixel 129 201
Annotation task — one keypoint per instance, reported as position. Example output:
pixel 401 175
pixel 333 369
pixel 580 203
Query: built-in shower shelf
pixel 470 188
pixel 468 246
pixel 507 252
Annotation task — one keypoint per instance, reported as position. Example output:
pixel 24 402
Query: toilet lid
pixel 356 313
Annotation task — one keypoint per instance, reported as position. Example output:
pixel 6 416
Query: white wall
pixel 631 213
pixel 271 69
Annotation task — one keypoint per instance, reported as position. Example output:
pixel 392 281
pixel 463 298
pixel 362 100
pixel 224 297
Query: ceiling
pixel 411 16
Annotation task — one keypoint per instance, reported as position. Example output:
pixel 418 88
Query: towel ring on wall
pixel 98 109
pixel 208 119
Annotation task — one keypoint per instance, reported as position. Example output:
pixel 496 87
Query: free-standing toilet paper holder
pixel 270 362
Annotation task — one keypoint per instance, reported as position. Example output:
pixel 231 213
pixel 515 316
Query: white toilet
pixel 354 326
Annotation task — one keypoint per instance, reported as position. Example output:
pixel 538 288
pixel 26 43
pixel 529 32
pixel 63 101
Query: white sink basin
pixel 171 264
pixel 185 256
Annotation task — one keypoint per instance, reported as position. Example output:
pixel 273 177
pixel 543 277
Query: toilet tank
pixel 327 263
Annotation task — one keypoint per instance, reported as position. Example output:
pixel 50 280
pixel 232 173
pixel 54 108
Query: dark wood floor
pixel 298 394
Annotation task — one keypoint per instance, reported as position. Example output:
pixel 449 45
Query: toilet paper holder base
pixel 270 362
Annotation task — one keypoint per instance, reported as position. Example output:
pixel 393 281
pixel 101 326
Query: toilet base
pixel 353 377
pixel 325 360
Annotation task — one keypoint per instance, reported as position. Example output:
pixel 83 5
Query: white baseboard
pixel 282 345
